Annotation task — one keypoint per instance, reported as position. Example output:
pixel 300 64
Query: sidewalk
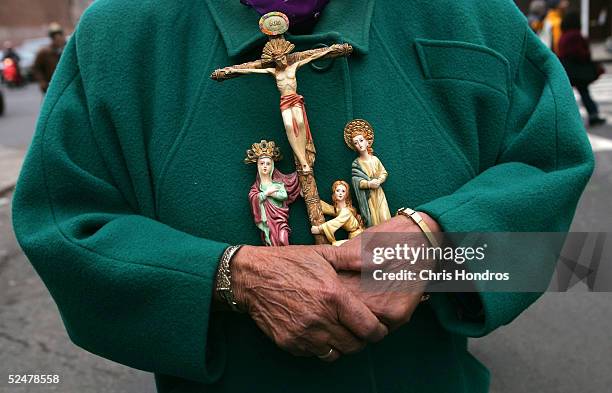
pixel 10 164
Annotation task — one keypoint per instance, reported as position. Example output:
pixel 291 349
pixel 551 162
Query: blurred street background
pixel 563 343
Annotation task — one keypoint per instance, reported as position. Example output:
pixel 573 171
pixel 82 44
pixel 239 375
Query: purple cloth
pixel 301 13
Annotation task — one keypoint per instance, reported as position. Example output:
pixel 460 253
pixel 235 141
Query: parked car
pixel 27 52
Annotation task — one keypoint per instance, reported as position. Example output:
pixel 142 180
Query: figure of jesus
pixel 292 105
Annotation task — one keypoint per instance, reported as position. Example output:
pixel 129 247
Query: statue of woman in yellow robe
pixel 368 173
pixel 345 215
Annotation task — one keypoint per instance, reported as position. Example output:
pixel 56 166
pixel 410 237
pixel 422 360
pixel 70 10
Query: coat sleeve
pixel 38 68
pixel 128 287
pixel 541 170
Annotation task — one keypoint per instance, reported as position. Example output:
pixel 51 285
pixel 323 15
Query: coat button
pixel 321 65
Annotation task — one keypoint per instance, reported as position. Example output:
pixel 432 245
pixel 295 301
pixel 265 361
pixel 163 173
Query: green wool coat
pixel 134 183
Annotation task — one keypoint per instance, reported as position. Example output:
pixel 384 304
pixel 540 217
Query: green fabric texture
pixel 134 183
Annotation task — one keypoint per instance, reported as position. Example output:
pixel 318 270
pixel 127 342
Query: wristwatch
pixel 224 278
pixel 416 217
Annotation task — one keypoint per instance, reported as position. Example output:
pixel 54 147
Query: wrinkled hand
pixel 296 298
pixel 394 304
pixel 394 309
pixel 315 230
pixel 374 184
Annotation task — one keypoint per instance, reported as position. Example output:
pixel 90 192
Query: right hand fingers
pixel 338 338
pixel 358 318
pixel 345 257
pixel 319 340
pixel 344 341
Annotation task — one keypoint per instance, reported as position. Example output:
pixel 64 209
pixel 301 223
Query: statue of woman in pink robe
pixel 270 197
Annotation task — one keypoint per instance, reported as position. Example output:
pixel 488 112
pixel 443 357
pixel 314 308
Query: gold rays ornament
pixel 262 149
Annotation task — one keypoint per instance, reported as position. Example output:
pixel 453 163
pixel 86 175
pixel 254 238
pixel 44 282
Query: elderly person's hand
pixel 295 296
pixel 395 303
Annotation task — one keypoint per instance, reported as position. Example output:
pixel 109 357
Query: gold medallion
pixel 274 23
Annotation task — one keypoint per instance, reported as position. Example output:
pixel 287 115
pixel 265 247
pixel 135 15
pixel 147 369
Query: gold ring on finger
pixel 327 355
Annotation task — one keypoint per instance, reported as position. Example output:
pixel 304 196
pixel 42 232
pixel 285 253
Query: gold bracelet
pixel 416 217
pixel 224 278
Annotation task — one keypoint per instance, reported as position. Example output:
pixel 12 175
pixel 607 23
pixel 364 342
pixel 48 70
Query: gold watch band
pixel 418 219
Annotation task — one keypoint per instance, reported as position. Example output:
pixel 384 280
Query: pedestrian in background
pixel 575 55
pixel 551 31
pixel 48 57
pixel 537 13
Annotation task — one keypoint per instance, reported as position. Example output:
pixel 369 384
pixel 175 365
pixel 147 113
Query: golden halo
pixel 358 125
pixel 276 48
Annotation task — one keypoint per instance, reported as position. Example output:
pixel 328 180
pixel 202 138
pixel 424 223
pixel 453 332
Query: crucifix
pixel 279 61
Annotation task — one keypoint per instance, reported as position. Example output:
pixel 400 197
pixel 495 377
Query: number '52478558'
pixel 33 378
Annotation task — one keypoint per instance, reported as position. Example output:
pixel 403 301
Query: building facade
pixel 19 21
